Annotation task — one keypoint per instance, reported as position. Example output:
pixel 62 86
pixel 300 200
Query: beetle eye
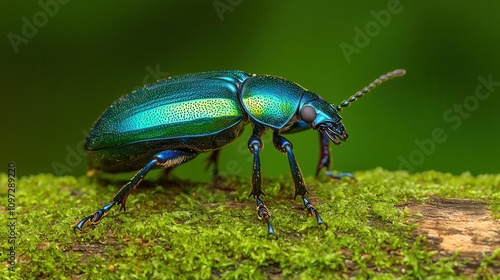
pixel 308 113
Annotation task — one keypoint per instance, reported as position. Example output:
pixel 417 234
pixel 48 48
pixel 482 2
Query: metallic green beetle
pixel 171 121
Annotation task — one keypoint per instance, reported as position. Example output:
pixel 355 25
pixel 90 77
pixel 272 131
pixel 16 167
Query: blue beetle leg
pixel 213 159
pixel 283 145
pixel 312 211
pixel 122 195
pixel 95 218
pixel 166 159
pixel 263 214
pixel 254 146
pixel 339 176
pixel 324 153
pixel 324 159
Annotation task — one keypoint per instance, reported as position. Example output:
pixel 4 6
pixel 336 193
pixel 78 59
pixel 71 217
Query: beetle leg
pixel 166 159
pixel 283 145
pixel 324 159
pixel 254 146
pixel 324 151
pixel 263 214
pixel 95 218
pixel 213 160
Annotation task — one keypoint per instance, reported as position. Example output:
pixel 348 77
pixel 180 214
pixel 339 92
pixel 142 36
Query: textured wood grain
pixel 462 225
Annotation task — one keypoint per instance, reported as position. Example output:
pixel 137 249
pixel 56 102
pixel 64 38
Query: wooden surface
pixel 452 224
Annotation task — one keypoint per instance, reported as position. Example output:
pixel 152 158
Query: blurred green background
pixel 63 63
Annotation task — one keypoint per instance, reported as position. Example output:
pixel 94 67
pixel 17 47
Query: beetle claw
pixel 312 211
pixel 339 176
pixel 95 218
pixel 263 214
pixel 82 223
pixel 270 230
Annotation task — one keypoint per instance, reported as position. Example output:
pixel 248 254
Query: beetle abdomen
pixel 133 156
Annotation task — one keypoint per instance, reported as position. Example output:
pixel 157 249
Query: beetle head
pixel 322 116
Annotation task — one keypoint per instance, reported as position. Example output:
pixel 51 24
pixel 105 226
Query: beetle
pixel 170 122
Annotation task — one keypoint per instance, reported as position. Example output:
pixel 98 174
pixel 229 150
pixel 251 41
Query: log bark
pixel 462 225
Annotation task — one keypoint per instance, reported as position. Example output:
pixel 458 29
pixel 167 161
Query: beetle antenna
pixel 359 94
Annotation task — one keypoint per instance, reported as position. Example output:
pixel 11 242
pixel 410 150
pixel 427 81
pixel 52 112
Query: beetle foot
pixel 263 214
pixel 339 176
pixel 95 218
pixel 312 211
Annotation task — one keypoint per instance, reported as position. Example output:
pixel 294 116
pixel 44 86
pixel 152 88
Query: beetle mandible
pixel 172 121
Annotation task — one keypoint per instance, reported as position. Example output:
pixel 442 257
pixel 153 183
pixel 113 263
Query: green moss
pixel 199 231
